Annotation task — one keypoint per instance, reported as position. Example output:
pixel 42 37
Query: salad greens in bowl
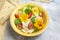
pixel 29 19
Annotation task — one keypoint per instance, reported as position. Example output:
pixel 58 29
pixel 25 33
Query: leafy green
pixel 17 21
pixel 27 10
pixel 33 19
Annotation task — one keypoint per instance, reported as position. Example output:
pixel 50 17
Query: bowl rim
pixel 32 34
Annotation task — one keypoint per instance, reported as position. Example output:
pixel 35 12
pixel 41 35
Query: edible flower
pixel 23 17
pixel 38 23
pixel 35 10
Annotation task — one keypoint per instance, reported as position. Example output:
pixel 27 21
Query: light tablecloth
pixel 51 33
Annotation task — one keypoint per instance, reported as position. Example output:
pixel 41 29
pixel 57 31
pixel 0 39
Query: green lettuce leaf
pixel 17 21
pixel 33 19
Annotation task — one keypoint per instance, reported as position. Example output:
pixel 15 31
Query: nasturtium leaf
pixel 17 21
pixel 27 11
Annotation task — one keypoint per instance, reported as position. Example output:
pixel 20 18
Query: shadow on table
pixel 12 35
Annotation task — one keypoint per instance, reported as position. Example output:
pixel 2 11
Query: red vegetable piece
pixel 30 26
pixel 16 15
pixel 19 26
pixel 29 15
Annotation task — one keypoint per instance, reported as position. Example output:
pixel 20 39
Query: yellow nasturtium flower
pixel 38 23
pixel 35 10
pixel 23 17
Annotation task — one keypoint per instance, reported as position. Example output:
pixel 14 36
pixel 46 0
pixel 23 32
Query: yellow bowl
pixel 25 34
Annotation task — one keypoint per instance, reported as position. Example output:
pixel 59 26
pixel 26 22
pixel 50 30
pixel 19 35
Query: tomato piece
pixel 19 26
pixel 30 26
pixel 29 15
pixel 16 15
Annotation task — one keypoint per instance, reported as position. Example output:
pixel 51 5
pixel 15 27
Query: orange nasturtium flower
pixel 38 23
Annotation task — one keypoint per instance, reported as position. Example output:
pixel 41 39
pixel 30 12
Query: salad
pixel 29 19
